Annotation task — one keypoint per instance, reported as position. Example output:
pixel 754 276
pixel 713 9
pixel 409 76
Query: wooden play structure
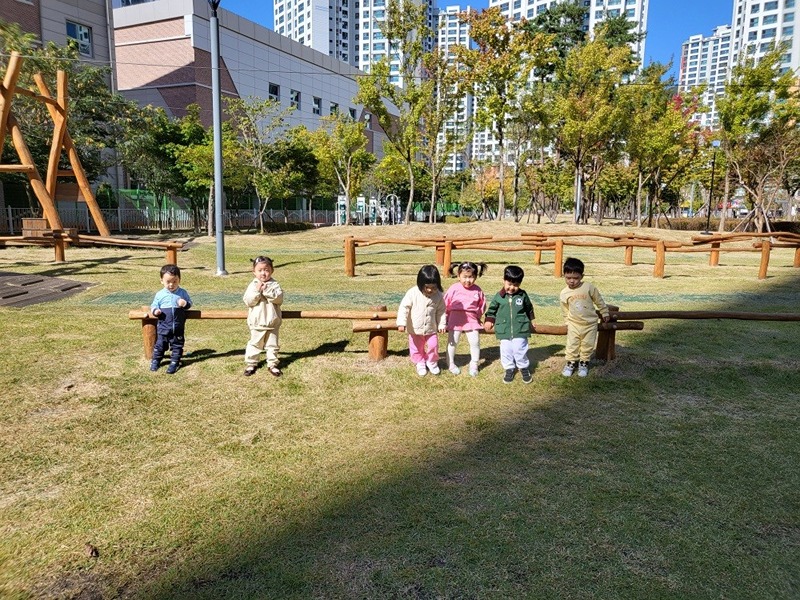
pixel 538 242
pixel 48 230
pixel 378 322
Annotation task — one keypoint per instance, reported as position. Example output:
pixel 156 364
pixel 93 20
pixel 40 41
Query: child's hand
pixel 533 327
pixel 181 302
pixel 156 312
pixel 401 329
pixel 443 330
pixel 488 327
pixel 606 319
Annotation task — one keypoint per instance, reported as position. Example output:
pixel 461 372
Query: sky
pixel 669 22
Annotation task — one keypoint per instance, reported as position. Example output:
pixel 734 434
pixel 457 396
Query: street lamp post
pixel 219 223
pixel 715 143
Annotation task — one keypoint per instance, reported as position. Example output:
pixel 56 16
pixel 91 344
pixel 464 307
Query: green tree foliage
pixel 405 30
pixel 759 116
pixel 340 147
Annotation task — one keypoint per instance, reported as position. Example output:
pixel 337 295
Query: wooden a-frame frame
pixel 45 191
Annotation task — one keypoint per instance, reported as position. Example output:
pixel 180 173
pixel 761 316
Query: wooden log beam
pixel 287 314
pixel 10 79
pixel 17 168
pixel 703 314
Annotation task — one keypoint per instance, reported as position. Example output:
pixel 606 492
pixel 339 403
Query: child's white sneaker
pixel 421 370
pixel 569 368
pixel 454 370
pixel 434 368
pixel 583 368
pixel 473 369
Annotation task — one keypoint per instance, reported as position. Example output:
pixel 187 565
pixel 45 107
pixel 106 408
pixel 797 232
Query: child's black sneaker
pixel 154 364
pixel 173 366
pixel 509 376
pixel 526 375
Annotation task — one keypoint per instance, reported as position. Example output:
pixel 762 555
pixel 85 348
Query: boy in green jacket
pixel 510 317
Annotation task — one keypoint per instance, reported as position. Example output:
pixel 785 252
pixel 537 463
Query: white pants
pixel 262 339
pixel 514 353
pixel 474 339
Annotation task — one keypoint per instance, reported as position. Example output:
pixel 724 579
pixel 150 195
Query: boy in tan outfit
pixel 578 302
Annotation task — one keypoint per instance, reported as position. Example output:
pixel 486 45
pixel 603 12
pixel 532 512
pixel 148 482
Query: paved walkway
pixel 21 290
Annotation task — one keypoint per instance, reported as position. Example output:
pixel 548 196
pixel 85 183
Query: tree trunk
pixel 432 214
pixel 410 192
pixel 721 227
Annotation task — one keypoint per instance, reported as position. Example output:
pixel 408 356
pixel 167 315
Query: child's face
pixel 467 278
pixel 262 271
pixel 510 287
pixel 573 280
pixel 429 289
pixel 170 282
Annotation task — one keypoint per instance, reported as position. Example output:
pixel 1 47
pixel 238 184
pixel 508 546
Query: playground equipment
pixel 538 242
pixel 49 230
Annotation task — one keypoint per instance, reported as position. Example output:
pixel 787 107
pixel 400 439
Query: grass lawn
pixel 672 472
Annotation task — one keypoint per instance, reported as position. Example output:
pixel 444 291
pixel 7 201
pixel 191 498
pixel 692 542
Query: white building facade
pixel 759 24
pixel 705 61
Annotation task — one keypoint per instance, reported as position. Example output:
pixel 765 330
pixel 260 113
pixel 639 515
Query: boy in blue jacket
pixel 169 307
pixel 510 317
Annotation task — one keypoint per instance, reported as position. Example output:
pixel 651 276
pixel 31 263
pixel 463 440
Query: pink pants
pixel 423 348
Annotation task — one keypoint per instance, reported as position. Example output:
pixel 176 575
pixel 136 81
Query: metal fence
pixel 172 219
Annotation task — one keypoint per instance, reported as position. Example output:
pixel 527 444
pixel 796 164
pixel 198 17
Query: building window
pixel 353 114
pixel 294 99
pixel 334 109
pixel 83 35
pixel 316 105
pixel 274 92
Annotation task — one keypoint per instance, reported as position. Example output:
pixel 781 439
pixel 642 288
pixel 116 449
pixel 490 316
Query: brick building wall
pixel 26 14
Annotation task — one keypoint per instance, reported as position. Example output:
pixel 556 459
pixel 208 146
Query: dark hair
pixel 262 259
pixel 429 275
pixel 514 274
pixel 477 268
pixel 573 265
pixel 170 269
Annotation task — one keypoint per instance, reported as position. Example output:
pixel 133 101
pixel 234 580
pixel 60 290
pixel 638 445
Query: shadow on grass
pixel 671 473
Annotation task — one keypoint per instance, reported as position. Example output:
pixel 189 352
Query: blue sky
pixel 669 23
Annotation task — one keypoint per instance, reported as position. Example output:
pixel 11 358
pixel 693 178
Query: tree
pixel 405 31
pixel 340 147
pixel 759 115
pixel 257 124
pixel 590 118
pixel 148 152
pixel 499 70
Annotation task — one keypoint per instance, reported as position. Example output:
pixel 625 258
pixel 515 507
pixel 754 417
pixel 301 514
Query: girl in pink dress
pixel 464 305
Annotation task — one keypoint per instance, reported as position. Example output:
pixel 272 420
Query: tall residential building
pixel 451 32
pixel 757 25
pixel 598 10
pixel 705 61
pixel 348 30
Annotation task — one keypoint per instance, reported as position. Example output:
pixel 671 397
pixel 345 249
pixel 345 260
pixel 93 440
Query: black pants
pixel 169 340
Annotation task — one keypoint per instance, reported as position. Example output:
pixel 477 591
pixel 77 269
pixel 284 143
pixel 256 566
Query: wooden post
pixel 796 258
pixel 448 254
pixel 378 340
pixel 765 249
pixel 438 258
pixel 148 334
pixel 559 259
pixel 713 258
pixel 350 256
pixel 628 255
pixel 661 251
pixel 607 340
pixel 60 246
pixel 172 255
pixel 537 257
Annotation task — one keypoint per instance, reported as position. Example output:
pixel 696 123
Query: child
pixel 422 313
pixel 263 298
pixel 170 306
pixel 510 316
pixel 578 300
pixel 465 304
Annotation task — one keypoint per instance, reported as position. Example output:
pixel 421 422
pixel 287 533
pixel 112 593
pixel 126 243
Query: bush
pixel 786 226
pixel 455 219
